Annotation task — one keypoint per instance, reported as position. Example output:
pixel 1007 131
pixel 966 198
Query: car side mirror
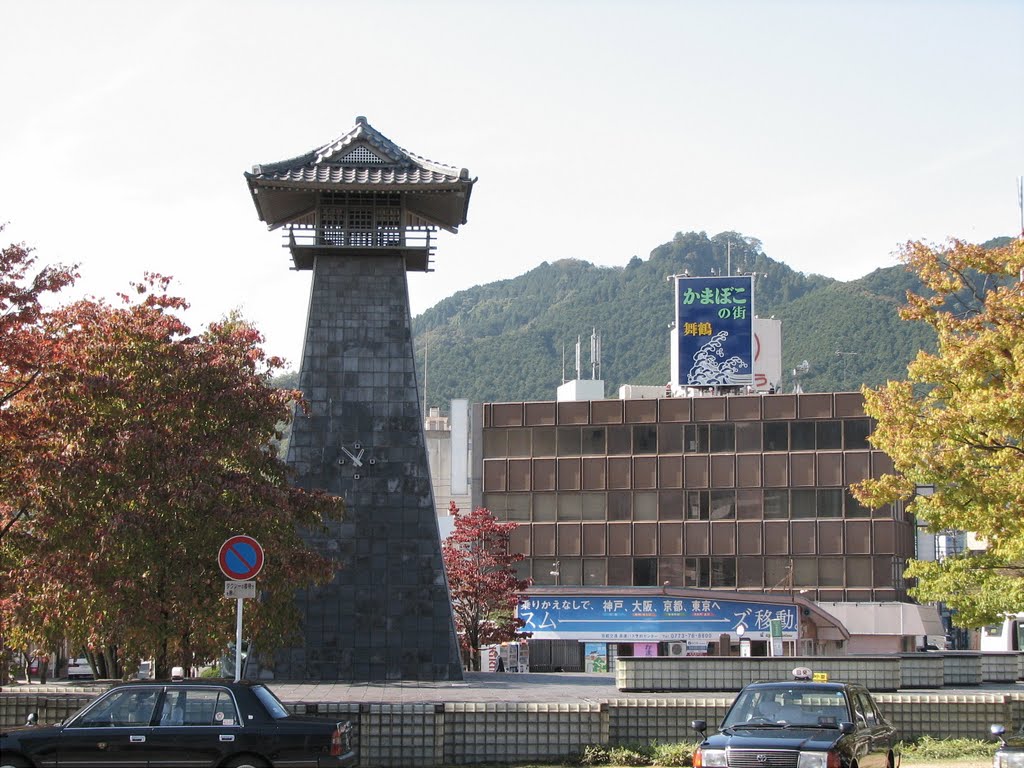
pixel 700 726
pixel 847 727
pixel 32 719
pixel 998 730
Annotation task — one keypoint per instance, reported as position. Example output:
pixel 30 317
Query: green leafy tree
pixel 957 424
pixel 483 582
pixel 147 447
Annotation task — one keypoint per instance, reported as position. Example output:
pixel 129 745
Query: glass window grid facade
pixel 668 439
pixel 776 518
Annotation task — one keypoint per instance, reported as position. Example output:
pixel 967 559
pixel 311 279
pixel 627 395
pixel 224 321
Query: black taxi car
pixel 182 723
pixel 802 723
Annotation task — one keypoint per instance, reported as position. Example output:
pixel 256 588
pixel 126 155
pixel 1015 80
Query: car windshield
pixel 781 705
pixel 270 702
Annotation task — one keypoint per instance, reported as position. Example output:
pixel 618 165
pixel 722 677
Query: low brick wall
pixel 922 670
pixel 961 668
pixel 50 707
pixel 666 721
pixel 667 674
pixel 427 735
pixel 1000 667
pixel 731 673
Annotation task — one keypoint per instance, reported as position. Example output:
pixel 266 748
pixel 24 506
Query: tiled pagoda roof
pixel 363 159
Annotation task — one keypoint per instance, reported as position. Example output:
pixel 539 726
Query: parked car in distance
pixel 182 723
pixel 1011 750
pixel 802 723
pixel 79 669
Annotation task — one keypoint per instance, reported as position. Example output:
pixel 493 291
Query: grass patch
pixel 928 748
pixel 654 754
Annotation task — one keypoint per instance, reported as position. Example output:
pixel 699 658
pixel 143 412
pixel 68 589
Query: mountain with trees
pixel 506 341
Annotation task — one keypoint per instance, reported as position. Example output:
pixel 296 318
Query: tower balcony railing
pixel 416 244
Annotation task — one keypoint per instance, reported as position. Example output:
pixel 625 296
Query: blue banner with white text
pixel 648 618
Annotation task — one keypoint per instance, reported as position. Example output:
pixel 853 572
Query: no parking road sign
pixel 240 558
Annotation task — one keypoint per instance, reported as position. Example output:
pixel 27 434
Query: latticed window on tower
pixel 362 156
pixel 360 220
pixel 360 225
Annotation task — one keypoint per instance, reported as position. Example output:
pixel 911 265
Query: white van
pixel 79 669
pixel 1008 635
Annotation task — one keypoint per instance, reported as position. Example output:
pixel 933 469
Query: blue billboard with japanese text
pixel 714 327
pixel 621 618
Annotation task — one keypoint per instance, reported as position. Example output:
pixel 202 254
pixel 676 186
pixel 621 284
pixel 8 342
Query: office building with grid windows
pixel 741 493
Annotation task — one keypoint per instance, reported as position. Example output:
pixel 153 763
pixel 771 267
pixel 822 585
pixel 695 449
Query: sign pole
pixel 240 559
pixel 238 641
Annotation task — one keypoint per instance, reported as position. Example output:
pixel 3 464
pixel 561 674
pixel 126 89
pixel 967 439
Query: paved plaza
pixel 482 687
pixel 522 688
pixel 504 687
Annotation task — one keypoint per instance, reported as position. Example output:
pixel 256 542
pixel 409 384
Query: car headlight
pixel 1008 760
pixel 709 758
pixel 828 759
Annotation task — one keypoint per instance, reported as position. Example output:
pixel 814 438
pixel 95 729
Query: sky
pixel 831 131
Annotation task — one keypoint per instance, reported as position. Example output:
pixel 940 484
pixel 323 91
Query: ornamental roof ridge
pixel 332 151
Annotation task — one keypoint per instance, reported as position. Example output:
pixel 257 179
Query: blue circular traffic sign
pixel 240 558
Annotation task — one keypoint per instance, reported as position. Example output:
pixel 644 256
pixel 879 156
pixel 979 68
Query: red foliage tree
pixel 24 349
pixel 482 580
pixel 147 448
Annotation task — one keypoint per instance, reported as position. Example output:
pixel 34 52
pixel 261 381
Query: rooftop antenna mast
pixel 563 363
pixel 595 354
pixel 579 366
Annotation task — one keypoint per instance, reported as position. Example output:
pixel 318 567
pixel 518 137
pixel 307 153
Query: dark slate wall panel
pixel 386 615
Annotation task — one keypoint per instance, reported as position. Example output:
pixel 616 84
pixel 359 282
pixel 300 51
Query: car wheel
pixel 246 761
pixel 13 762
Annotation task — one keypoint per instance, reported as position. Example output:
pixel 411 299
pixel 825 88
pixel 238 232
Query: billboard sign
pixel 714 327
pixel 767 353
pixel 626 618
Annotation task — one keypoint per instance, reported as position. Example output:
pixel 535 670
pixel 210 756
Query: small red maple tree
pixel 482 580
pixel 24 349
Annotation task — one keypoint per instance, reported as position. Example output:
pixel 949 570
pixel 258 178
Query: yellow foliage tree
pixel 957 425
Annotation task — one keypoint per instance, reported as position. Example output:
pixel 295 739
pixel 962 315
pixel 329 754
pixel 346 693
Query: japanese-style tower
pixel 360 212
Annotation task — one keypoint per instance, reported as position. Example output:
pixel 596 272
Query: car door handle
pixel 227 737
pixel 136 739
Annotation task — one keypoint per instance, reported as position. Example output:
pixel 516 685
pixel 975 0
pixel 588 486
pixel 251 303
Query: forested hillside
pixel 504 341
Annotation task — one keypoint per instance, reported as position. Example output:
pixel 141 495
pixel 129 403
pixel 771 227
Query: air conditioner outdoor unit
pixel 677 648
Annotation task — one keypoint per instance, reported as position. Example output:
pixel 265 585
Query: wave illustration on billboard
pixel 714 323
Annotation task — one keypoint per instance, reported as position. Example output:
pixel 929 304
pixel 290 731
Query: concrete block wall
pixel 402 735
pixel 487 733
pixel 922 670
pixel 667 673
pixel 999 667
pixel 426 735
pixel 961 668
pixel 666 721
pixel 51 708
pixel 945 715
